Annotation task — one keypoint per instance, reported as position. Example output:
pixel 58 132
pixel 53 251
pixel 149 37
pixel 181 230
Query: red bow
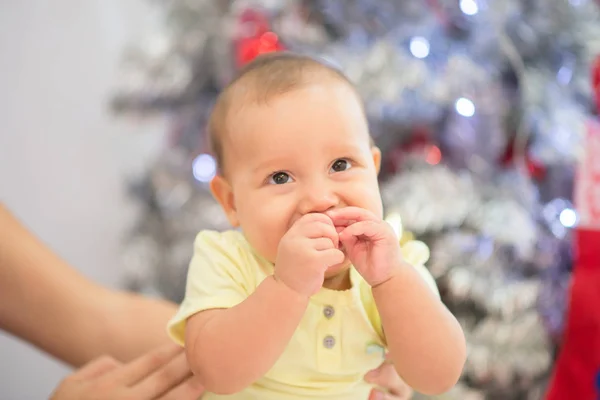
pixel 256 37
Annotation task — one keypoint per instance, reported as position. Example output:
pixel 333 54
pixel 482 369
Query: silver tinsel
pixel 415 196
pixel 157 254
pixel 508 222
pixel 178 62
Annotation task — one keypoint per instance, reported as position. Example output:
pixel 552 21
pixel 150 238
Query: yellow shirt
pixel 337 342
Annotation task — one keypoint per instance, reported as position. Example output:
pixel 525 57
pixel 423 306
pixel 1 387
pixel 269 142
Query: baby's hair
pixel 263 79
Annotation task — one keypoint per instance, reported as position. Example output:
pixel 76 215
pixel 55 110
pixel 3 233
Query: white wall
pixel 62 158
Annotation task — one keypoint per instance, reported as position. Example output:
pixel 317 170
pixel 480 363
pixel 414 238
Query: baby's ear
pixel 222 192
pixel 376 153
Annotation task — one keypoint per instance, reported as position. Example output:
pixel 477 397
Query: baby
pixel 315 288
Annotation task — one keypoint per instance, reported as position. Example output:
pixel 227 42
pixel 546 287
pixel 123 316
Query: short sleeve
pixel 416 253
pixel 216 279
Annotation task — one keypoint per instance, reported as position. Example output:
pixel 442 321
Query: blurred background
pixel 63 155
pixel 481 109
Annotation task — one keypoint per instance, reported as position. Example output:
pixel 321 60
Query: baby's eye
pixel 279 178
pixel 340 165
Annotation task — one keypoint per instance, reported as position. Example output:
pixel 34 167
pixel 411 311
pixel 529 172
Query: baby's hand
pixel 369 242
pixel 306 251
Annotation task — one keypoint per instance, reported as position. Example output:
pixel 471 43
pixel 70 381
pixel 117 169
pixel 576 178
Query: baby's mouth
pixel 339 229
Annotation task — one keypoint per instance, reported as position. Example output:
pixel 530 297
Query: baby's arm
pixel 228 349
pixel 425 341
pixel 231 348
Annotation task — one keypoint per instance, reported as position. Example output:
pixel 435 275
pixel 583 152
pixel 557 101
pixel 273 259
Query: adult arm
pixel 49 304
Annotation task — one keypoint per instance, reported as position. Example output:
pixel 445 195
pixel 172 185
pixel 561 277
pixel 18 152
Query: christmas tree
pixel 480 109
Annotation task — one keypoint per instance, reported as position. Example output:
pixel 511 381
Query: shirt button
pixel 328 311
pixel 329 342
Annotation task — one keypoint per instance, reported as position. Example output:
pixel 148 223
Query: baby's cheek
pixel 269 237
pixel 271 247
pixel 370 199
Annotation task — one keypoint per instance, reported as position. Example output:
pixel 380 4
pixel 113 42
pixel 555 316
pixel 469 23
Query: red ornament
pixel 596 81
pixel 535 169
pixel 249 49
pixel 255 37
pixel 419 145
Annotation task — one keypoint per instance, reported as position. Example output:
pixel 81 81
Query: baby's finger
pixel 369 229
pixel 332 257
pixel 320 229
pixel 314 217
pixel 323 243
pixel 386 377
pixel 349 215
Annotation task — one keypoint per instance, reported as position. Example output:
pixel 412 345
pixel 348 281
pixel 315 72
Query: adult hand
pixel 392 386
pixel 160 375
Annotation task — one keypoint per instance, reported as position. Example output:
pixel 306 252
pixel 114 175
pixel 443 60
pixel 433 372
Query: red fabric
pixel 577 369
pixel 596 81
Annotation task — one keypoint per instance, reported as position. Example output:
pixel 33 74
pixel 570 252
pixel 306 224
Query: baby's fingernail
pixel 377 396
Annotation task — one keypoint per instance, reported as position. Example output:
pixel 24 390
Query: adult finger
pixel 95 368
pixel 190 389
pixel 140 368
pixel 162 380
pixel 379 395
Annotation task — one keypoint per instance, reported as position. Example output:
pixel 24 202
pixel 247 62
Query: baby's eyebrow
pixel 270 164
pixel 345 148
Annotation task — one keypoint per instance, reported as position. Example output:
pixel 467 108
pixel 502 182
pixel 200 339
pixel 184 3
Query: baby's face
pixel 305 151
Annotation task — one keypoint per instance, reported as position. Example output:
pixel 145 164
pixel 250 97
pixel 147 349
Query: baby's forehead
pixel 260 90
pixel 262 86
pixel 252 101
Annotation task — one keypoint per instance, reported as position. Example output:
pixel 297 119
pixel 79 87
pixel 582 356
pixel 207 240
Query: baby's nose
pixel 318 199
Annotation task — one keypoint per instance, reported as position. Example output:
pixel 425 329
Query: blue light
pixel 568 218
pixel 564 75
pixel 469 7
pixel 465 107
pixel 204 168
pixel 419 47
